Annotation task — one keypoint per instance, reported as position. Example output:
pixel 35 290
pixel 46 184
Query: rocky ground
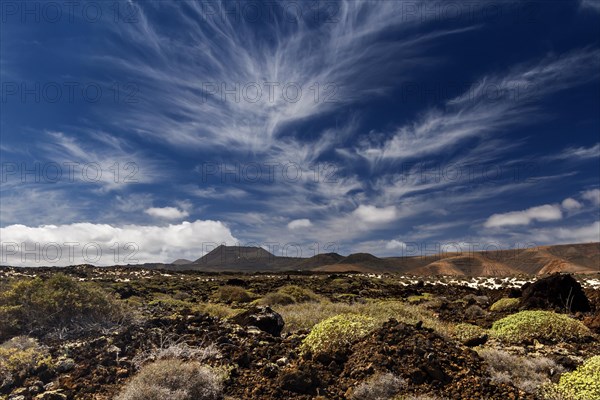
pixel 262 363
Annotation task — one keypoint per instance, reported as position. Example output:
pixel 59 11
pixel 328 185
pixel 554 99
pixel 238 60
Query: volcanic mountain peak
pixel 235 254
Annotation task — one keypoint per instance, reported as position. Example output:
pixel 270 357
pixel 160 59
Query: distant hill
pixel 574 258
pixel 181 261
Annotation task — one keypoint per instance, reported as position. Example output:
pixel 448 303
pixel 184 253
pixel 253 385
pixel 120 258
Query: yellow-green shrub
pixel 21 356
pixel 419 298
pixel 277 299
pixel 545 326
pixel 337 332
pixel 58 302
pixel 299 294
pixel 231 294
pixel 506 304
pixel 581 384
pixel 464 332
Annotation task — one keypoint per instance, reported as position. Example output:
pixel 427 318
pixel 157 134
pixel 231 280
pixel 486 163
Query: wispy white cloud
pixel 590 5
pixel 497 102
pixel 248 86
pixel 579 153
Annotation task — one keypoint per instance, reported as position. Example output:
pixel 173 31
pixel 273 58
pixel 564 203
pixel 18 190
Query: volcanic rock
pixel 555 291
pixel 264 318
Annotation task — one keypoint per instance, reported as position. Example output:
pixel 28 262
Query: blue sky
pixel 389 127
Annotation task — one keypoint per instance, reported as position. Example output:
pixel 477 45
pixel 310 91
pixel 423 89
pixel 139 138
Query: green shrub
pixel 233 294
pixel 465 332
pixel 583 383
pixel 174 380
pixel 335 333
pixel 420 298
pixel 21 356
pixel 299 294
pixel 37 305
pixel 506 304
pixel 298 316
pixel 545 326
pixel 277 299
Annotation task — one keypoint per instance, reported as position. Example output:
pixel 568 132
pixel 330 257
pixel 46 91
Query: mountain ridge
pixel 582 258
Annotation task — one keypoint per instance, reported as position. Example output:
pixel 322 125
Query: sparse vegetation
pixel 21 356
pixel 420 298
pixel 545 326
pixel 174 380
pixel 60 302
pixel 527 373
pixel 379 387
pixel 336 332
pixel 505 304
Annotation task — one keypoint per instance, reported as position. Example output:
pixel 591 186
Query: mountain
pixel 573 258
pixel 181 261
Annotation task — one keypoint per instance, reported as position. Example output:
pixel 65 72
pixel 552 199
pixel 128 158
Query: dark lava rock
pixel 264 318
pixel 299 381
pixel 236 282
pixel 555 291
pixel 476 341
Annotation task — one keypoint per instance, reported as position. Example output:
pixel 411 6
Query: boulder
pixel 264 318
pixel 555 291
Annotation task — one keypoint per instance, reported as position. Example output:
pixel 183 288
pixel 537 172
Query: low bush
pixel 233 294
pixel 506 304
pixel 581 384
pixel 60 302
pixel 335 333
pixel 379 387
pixel 276 298
pixel 174 380
pixel 545 326
pixel 420 298
pixel 527 373
pixel 298 316
pixel 474 312
pixel 21 356
pixel 299 294
pixel 466 332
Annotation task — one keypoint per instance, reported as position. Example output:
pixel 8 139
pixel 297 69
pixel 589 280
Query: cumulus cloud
pixel 395 244
pixel 592 196
pixel 571 204
pixel 166 212
pixel 103 244
pixel 299 223
pixel 372 214
pixel 546 212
